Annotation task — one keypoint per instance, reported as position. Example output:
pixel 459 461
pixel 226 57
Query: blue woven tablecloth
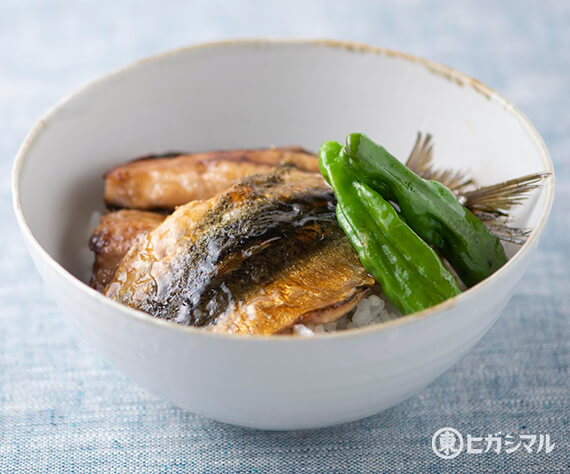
pixel 63 408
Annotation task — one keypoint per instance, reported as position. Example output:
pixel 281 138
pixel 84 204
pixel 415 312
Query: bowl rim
pixel 446 72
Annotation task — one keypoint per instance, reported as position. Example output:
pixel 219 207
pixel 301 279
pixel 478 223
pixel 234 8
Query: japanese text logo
pixel 448 443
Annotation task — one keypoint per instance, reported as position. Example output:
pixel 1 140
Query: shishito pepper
pixel 409 271
pixel 430 209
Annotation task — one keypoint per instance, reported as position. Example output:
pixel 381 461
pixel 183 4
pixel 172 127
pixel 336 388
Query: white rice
pixel 373 309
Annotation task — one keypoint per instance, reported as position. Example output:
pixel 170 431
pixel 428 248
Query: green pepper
pixel 409 271
pixel 429 208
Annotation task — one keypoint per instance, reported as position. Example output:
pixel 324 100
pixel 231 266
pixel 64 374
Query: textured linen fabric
pixel 64 409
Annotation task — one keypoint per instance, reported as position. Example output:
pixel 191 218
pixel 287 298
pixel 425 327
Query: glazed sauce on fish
pixel 255 259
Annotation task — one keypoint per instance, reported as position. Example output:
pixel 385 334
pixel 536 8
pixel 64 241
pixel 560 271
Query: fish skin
pixel 111 239
pixel 211 261
pixel 311 284
pixel 166 181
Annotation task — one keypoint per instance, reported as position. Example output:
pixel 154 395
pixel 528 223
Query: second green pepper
pixel 430 209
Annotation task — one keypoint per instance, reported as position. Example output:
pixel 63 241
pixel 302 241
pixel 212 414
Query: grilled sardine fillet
pixel 253 260
pixel 169 181
pixel 112 238
pixel 316 282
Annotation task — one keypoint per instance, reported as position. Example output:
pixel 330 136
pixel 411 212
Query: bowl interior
pixel 253 94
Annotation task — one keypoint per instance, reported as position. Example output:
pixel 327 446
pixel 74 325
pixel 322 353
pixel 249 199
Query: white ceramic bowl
pixel 251 94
